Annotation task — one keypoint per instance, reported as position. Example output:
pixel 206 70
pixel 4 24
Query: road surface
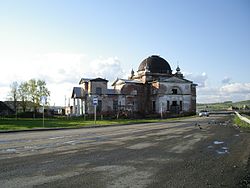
pixel 193 152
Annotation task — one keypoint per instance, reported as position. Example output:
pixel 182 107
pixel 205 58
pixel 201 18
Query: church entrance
pixel 175 108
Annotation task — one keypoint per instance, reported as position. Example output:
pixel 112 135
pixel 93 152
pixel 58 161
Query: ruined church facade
pixel 153 90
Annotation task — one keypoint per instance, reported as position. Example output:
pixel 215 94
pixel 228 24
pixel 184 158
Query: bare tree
pixel 14 95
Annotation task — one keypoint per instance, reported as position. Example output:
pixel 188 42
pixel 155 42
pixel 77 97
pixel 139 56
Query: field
pixel 29 123
pixel 223 106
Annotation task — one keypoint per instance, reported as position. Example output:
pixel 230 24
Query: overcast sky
pixel 62 41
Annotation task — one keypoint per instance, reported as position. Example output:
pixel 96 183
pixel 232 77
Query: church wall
pixel 166 87
pixel 165 93
pixel 134 96
pixel 94 85
pixel 162 101
pixel 186 103
pixel 118 87
pixel 107 103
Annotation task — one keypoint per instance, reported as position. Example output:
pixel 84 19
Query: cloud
pixel 236 88
pixel 109 68
pixel 226 80
pixel 225 92
pixel 61 71
pixel 232 92
pixel 199 79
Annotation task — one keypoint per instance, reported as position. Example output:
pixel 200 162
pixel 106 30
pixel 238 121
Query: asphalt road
pixel 194 152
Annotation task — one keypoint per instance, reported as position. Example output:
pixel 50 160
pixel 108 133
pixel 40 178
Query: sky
pixel 62 41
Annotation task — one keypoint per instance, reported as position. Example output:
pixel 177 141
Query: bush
pixel 29 115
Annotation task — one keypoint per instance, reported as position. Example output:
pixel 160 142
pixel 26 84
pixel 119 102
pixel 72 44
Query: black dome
pixel 155 64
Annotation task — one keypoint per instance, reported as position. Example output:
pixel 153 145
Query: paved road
pixel 194 152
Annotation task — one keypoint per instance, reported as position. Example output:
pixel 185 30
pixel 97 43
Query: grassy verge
pixel 241 123
pixel 24 124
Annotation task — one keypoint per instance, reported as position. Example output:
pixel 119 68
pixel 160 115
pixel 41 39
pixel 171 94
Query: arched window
pixel 176 90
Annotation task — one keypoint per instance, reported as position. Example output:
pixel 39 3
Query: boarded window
pixel 168 106
pixel 115 105
pixel 98 91
pixel 153 106
pixel 99 106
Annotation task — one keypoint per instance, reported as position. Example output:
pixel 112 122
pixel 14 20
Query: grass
pixel 241 123
pixel 222 105
pixel 28 123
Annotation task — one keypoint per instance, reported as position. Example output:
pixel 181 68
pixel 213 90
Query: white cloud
pixel 236 88
pixel 210 94
pixel 61 71
pixel 199 79
pixel 232 92
pixel 226 80
pixel 109 68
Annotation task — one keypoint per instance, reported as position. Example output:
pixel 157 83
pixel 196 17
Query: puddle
pixel 11 150
pixel 188 136
pixel 141 145
pixel 218 142
pixel 210 147
pixel 70 142
pixel 58 137
pixel 222 151
pixel 28 147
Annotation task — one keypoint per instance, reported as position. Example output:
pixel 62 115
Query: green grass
pixel 241 123
pixel 222 105
pixel 24 124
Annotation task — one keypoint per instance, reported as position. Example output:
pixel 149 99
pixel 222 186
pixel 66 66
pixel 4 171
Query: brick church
pixel 153 90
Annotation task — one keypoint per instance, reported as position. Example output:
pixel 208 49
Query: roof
pixel 99 80
pixel 5 109
pixel 84 80
pixel 77 92
pixel 175 79
pixel 126 81
pixel 155 64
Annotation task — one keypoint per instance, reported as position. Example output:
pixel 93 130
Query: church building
pixel 154 90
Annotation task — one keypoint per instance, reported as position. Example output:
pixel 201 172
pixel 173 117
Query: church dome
pixel 155 64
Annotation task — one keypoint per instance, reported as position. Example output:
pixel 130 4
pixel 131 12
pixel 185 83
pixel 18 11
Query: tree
pixel 14 95
pixel 37 89
pixel 29 91
pixel 42 89
pixel 23 92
